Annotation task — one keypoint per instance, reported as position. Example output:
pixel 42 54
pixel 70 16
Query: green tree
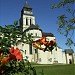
pixel 12 35
pixel 66 24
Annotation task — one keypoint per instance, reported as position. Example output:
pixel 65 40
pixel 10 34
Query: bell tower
pixel 27 17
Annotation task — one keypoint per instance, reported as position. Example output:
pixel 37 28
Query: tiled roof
pixel 47 34
pixel 69 50
pixel 33 27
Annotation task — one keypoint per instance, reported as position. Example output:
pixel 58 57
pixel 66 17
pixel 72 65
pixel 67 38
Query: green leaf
pixel 59 4
pixel 53 6
pixel 15 22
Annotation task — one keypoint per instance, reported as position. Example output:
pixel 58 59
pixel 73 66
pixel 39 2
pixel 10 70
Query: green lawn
pixel 54 70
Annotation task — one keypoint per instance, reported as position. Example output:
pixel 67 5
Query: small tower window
pixel 26 21
pixel 30 21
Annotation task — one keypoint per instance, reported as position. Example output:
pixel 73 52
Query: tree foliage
pixel 12 35
pixel 66 24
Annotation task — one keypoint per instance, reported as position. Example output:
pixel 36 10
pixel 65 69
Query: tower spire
pixel 28 18
pixel 26 1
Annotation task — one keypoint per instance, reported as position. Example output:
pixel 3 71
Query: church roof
pixel 33 27
pixel 47 34
pixel 27 5
pixel 69 50
pixel 59 47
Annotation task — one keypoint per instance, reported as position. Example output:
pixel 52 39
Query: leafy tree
pixel 13 35
pixel 66 24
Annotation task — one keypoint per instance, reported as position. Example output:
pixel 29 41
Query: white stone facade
pixel 33 54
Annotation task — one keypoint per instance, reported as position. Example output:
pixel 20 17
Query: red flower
pixel 11 49
pixel 15 53
pixel 11 57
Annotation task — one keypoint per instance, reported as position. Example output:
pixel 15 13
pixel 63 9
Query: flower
pixel 15 53
pixel 43 41
pixel 53 42
pixel 11 49
pixel 37 45
pixel 5 61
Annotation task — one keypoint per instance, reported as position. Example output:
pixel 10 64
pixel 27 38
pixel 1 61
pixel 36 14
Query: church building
pixel 29 26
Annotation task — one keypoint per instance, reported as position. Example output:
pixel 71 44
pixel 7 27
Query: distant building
pixel 29 26
pixel 69 53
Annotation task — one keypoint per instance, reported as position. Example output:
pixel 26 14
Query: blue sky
pixel 46 18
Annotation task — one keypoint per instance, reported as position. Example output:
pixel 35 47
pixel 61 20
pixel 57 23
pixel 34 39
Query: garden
pixel 53 69
pixel 11 59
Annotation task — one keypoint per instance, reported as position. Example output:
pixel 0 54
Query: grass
pixel 54 70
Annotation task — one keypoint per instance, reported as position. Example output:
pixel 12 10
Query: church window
pixel 22 45
pixel 30 48
pixel 35 50
pixel 26 21
pixel 25 51
pixel 50 59
pixel 36 34
pixel 70 54
pixel 30 21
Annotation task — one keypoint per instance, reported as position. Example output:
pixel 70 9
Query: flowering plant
pixel 15 55
pixel 14 64
pixel 49 45
pixel 11 61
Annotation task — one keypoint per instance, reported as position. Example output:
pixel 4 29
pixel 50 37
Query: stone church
pixel 29 26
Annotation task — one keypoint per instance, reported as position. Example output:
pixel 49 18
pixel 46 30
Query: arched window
pixel 26 21
pixel 30 21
